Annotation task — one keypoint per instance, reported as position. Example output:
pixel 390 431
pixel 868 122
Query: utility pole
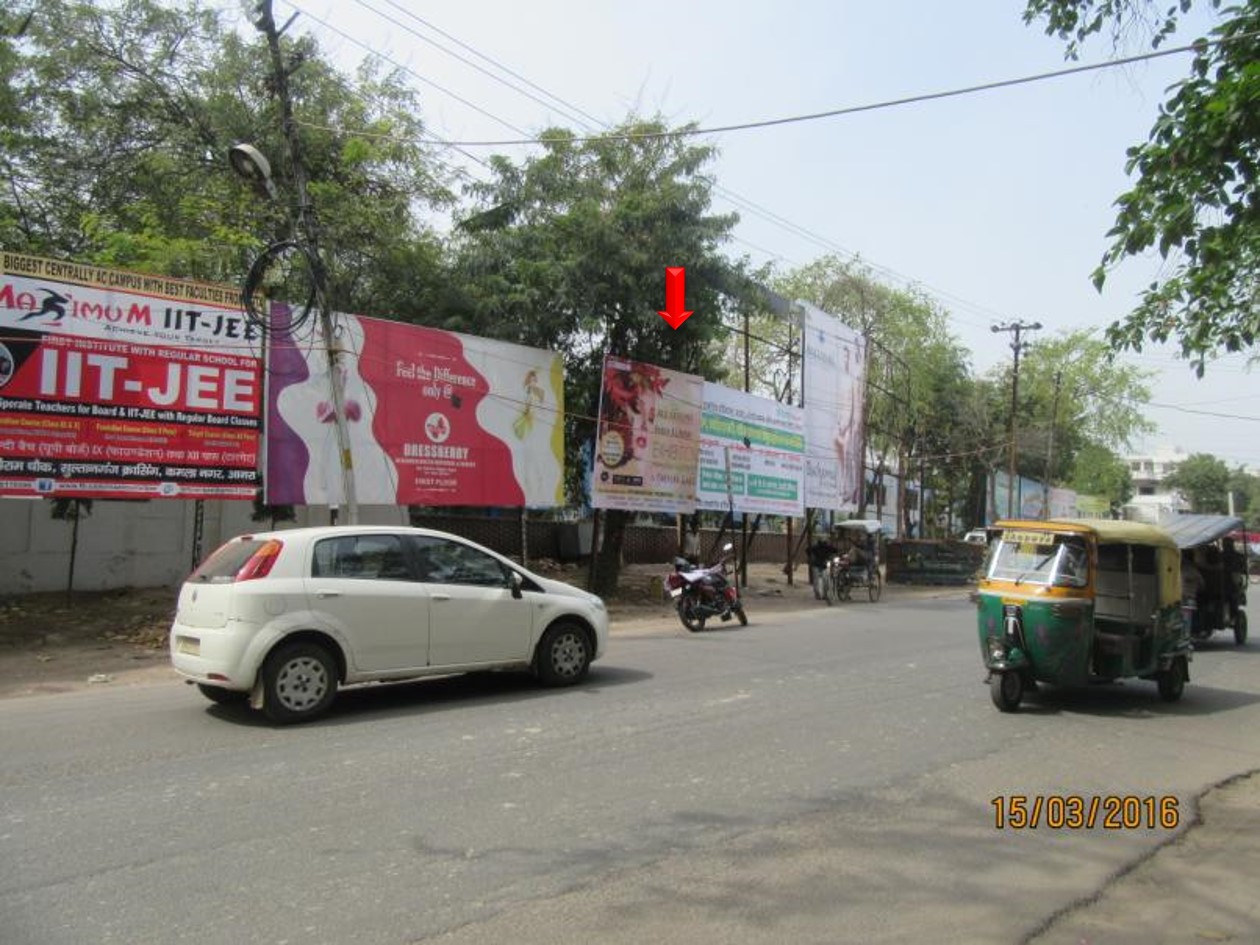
pixel 1054 418
pixel 1017 328
pixel 309 231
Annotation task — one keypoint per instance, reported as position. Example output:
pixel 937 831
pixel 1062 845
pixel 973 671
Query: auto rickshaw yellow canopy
pixel 1110 531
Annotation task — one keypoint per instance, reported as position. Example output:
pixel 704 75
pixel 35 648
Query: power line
pixel 588 121
pixel 1196 46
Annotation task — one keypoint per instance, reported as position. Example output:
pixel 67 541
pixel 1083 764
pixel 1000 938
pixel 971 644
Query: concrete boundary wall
pixel 150 544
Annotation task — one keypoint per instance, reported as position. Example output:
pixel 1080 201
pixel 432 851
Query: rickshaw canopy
pixel 1117 532
pixel 869 525
pixel 1191 531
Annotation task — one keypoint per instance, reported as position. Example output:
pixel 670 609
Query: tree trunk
pixel 608 569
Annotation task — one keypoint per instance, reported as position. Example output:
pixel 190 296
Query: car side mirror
pixel 516 581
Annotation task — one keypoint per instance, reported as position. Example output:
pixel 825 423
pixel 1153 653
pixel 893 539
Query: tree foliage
pixel 1098 404
pixel 1196 192
pixel 1203 480
pixel 922 409
pixel 567 250
pixel 117 122
pixel 1098 471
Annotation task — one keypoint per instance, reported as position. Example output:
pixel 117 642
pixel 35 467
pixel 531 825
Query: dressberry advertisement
pixel 434 417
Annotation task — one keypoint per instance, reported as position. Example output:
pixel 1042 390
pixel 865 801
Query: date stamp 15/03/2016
pixel 1085 812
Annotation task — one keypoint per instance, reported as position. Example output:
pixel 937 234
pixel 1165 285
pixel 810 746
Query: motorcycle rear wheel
pixel 690 619
pixel 743 617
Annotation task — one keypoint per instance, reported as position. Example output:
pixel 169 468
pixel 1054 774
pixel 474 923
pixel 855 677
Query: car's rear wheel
pixel 221 696
pixel 299 682
pixel 563 655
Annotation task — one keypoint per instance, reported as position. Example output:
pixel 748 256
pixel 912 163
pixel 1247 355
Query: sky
pixel 995 204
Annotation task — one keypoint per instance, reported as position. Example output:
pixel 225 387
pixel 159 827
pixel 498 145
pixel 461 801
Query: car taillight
pixel 260 562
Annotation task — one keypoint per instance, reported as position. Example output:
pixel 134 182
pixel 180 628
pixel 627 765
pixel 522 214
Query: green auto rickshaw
pixel 1071 602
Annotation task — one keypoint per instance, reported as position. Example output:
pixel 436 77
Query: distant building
pixel 1149 471
pixel 1151 501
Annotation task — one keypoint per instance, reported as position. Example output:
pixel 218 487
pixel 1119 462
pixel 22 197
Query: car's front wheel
pixel 299 682
pixel 563 655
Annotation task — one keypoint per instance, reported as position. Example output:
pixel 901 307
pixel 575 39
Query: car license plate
pixel 676 592
pixel 189 645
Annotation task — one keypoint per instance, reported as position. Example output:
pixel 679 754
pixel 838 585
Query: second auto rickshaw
pixel 1213 573
pixel 1070 602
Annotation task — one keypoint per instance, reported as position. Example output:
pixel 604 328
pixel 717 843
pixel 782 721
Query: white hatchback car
pixel 283 618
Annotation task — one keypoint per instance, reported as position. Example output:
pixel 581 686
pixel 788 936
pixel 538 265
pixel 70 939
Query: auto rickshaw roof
pixel 1104 529
pixel 1190 531
pixel 869 525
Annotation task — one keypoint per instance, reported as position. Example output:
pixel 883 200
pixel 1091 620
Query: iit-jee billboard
pixel 765 443
pixel 120 385
pixel 434 418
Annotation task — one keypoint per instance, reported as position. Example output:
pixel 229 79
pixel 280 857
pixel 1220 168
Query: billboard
pixel 648 441
pixel 125 386
pixel 835 378
pixel 765 443
pixel 434 418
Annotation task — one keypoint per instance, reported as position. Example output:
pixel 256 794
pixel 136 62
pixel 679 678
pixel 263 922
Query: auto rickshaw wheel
pixel 1006 689
pixel 1240 628
pixel 1172 681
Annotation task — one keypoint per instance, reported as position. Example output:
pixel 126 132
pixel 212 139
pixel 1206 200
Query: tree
pixel 1097 471
pixel 1203 480
pixel 1098 404
pixel 920 406
pixel 567 250
pixel 1196 196
pixel 117 122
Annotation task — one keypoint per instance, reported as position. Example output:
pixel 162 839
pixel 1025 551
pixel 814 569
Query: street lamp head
pixel 249 163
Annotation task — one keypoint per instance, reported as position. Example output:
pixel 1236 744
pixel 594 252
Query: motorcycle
pixel 701 593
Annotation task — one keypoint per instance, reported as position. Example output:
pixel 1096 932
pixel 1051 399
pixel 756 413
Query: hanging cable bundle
pixel 284 272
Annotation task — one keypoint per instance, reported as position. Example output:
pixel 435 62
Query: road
pixel 825 776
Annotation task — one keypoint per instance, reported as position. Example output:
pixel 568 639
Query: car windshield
pixel 1038 557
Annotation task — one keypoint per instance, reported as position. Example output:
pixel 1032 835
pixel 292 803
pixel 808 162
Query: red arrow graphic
pixel 675 294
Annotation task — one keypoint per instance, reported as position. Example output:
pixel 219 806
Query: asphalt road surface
pixel 827 776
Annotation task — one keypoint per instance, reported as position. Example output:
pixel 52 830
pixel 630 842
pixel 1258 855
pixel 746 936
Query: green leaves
pixel 1196 197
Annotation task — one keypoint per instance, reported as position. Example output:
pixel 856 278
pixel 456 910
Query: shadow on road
pixel 417 697
pixel 1134 699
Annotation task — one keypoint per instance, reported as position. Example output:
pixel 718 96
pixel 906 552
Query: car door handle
pixel 441 596
pixel 322 594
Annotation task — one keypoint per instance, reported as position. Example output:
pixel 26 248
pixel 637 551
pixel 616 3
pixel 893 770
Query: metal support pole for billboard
pixel 730 507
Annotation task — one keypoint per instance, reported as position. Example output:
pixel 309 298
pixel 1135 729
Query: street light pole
pixel 1054 418
pixel 308 228
pixel 1016 346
